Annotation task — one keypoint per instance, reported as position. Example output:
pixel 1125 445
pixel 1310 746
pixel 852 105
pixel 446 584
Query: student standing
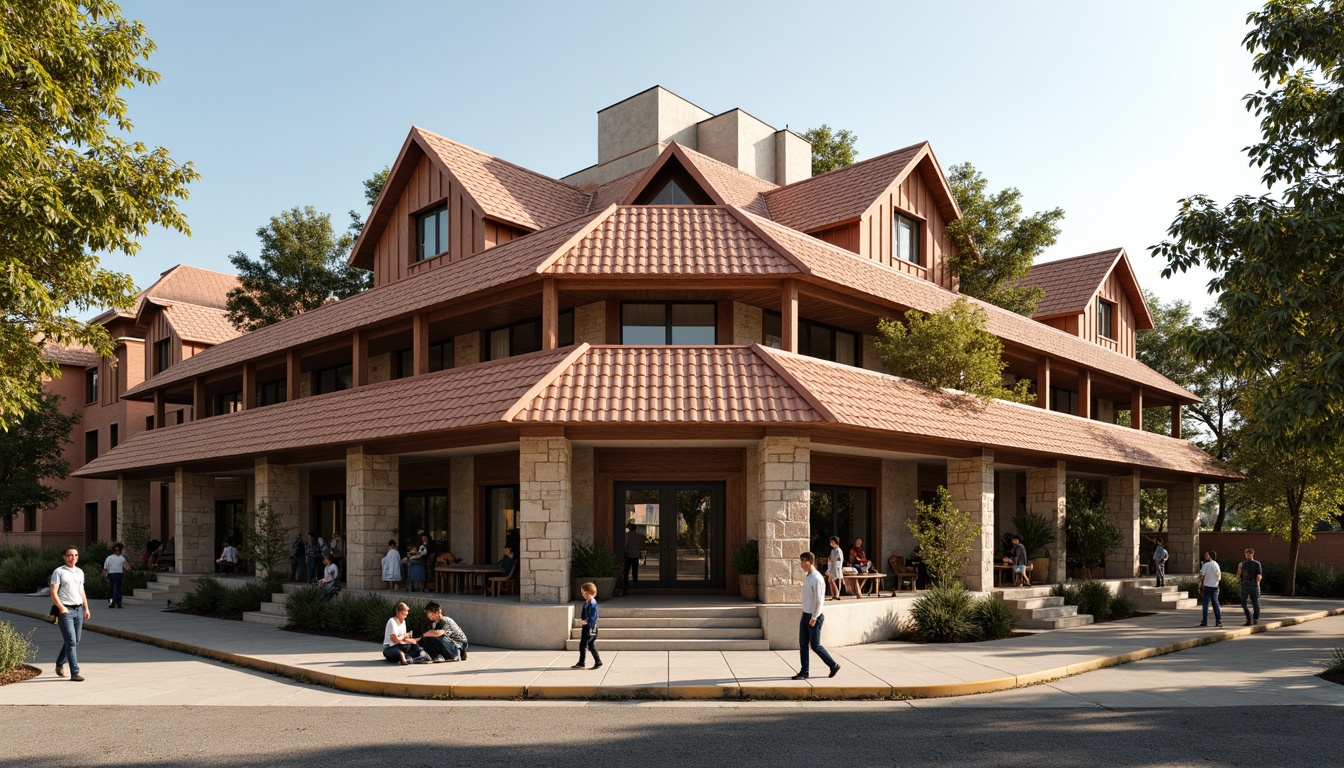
pixel 634 547
pixel 392 566
pixel 588 640
pixel 1250 571
pixel 835 566
pixel 71 602
pixel 1020 577
pixel 114 569
pixel 809 626
pixel 1209 577
pixel 1160 562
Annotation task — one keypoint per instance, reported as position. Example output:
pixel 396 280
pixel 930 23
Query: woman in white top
pixel 114 568
pixel 398 645
pixel 834 566
pixel 329 583
pixel 392 565
pixel 1209 577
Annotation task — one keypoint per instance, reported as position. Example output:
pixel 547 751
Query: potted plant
pixel 747 562
pixel 1036 533
pixel 589 562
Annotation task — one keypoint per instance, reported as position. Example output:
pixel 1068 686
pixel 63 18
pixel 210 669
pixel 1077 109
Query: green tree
pixel 72 185
pixel 1088 527
pixel 373 186
pixel 996 244
pixel 268 541
pixel 831 149
pixel 946 534
pixel 949 350
pixel 30 453
pixel 302 265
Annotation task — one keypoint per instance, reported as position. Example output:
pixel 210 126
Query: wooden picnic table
pixel 854 582
pixel 463 578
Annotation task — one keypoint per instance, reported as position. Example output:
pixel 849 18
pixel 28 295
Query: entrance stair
pixel 1037 609
pixel 170 586
pixel 273 613
pixel 1149 597
pixel 708 628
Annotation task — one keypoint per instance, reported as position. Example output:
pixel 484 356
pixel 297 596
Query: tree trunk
pixel 1222 507
pixel 1294 543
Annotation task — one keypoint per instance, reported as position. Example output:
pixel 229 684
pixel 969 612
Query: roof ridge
pixel 756 229
pixel 798 184
pixel 1116 251
pixel 767 355
pixel 542 383
pixel 729 166
pixel 483 153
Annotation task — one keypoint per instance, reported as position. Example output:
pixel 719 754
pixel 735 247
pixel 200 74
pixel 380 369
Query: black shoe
pixel 1248 623
pixel 1219 625
pixel 1257 621
pixel 1203 625
pixel 578 666
pixel 834 670
pixel 799 676
pixel 597 665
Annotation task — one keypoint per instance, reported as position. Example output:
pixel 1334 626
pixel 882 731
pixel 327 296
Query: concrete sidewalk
pixel 881 670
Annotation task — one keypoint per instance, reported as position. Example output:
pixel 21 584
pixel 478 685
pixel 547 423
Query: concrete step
pixel 1169 603
pixel 1052 612
pixel 1063 622
pixel 1035 602
pixel 273 609
pixel 261 617
pixel 1022 593
pixel 1149 590
pixel 745 612
pixel 158 586
pixel 279 597
pixel 672 645
pixel 662 633
pixel 674 623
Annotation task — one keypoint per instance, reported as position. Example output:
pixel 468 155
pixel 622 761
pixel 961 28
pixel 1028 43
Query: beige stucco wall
pixel 467 349
pixel 900 489
pixel 748 324
pixel 590 323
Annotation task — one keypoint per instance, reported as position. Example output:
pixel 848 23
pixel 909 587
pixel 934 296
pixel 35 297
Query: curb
pixel 683 692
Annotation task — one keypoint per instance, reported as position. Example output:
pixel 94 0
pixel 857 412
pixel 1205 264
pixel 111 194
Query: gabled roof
pixel 192 322
pixel 1070 284
pixel 724 184
pixel 81 357
pixel 847 193
pixel 705 386
pixel 499 189
pixel 183 282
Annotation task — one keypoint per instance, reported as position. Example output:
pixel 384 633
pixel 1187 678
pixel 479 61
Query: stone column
pixel 970 482
pixel 372 503
pixel 132 507
pixel 900 490
pixel 195 525
pixel 1122 501
pixel 785 507
pixel 582 484
pixel 1045 497
pixel 1182 537
pixel 545 510
pixel 462 506
pixel 281 486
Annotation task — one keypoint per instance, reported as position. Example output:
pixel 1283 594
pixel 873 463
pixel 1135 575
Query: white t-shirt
pixel 229 555
pixel 1211 573
pixel 392 631
pixel 329 573
pixel 69 583
pixel 115 564
pixel 392 565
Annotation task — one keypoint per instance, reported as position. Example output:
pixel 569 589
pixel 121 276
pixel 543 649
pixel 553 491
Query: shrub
pixel 205 600
pixel 1094 599
pixel 1066 591
pixel 1037 533
pixel 592 561
pixel 1315 580
pixel 1088 525
pixel 1121 606
pixel 1274 577
pixel 1336 662
pixel 1229 589
pixel 28 570
pixel 16 648
pixel 747 559
pixel 94 553
pixel 362 616
pixel 240 600
pixel 943 615
pixel 309 611
pixel 994 617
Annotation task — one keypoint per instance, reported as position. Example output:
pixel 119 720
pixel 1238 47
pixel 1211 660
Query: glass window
pixel 525 336
pixel 334 379
pixel 1064 400
pixel 671 194
pixel 432 231
pixel 271 392
pixel 1106 318
pixel 440 359
pixel 906 239
pixel 113 436
pixel 666 322
pixel 90 445
pixel 425 512
pixel 815 339
pixel 501 521
pixel 163 355
pixel 229 402
pixel 841 512
pixel 91 385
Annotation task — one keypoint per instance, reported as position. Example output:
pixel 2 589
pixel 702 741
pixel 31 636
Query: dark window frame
pixel 113 435
pixel 163 355
pixel 668 326
pixel 272 392
pixel 1106 319
pixel 1063 400
pixel 805 328
pixel 337 380
pixel 403 361
pixel 225 402
pixel 916 236
pixel 439 214
pixel 564 335
pixel 90 445
pixel 91 385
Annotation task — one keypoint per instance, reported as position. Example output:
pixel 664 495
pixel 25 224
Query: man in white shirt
pixel 72 605
pixel 228 559
pixel 1210 574
pixel 114 569
pixel 809 627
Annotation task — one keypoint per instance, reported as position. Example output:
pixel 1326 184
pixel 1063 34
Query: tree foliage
pixel 30 453
pixel 946 534
pixel 267 543
pixel 302 265
pixel 831 148
pixel 73 186
pixel 373 186
pixel 1087 525
pixel 996 244
pixel 949 350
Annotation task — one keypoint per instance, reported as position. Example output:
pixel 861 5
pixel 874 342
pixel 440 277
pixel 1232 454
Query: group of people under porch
pixel 419 562
pixel 838 566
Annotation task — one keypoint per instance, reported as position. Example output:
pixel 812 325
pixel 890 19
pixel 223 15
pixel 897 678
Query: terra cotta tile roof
pixel 838 195
pixel 735 186
pixel 196 323
pixel 1069 284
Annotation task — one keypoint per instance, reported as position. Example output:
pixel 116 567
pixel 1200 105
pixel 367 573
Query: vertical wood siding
pixel 914 199
pixel 1123 322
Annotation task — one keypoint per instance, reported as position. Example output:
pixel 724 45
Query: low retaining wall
pixel 1326 547
pixel 848 622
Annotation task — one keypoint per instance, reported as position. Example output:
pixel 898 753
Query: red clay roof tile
pixel 1069 284
pixel 196 323
pixel 838 195
pixel 735 186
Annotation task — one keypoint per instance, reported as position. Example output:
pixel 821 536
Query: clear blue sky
pixel 1111 111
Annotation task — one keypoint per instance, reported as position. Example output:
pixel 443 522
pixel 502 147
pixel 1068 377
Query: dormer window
pixel 1106 319
pixel 905 239
pixel 163 355
pixel 672 185
pixel 432 233
pixel 91 385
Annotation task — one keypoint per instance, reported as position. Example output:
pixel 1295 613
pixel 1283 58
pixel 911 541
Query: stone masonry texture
pixel 372 483
pixel 1182 539
pixel 461 505
pixel 970 482
pixel 1122 504
pixel 280 486
pixel 1045 497
pixel 785 509
pixel 195 526
pixel 545 512
pixel 900 489
pixel 132 506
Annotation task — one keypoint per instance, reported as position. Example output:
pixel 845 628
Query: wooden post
pixel 1175 419
pixel 1085 393
pixel 1043 383
pixel 159 421
pixel 420 344
pixel 249 386
pixel 788 317
pixel 550 314
pixel 1136 408
pixel 293 372
pixel 359 358
pixel 197 398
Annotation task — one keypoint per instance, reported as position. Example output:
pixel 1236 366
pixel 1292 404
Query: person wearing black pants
pixel 588 640
pixel 809 626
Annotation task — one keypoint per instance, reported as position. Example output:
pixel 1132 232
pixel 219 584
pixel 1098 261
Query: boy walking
pixel 1250 571
pixel 1020 577
pixel 588 640
pixel 809 626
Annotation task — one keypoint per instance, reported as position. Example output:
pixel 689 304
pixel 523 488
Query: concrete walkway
pixel 881 670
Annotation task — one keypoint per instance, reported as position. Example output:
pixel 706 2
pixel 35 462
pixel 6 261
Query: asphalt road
pixel 612 735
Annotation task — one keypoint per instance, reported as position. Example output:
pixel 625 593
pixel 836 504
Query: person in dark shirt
pixel 444 640
pixel 1020 576
pixel 506 562
pixel 1250 571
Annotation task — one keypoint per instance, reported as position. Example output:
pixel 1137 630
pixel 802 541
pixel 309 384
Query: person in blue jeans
pixel 1250 572
pixel 72 605
pixel 1209 577
pixel 588 640
pixel 809 626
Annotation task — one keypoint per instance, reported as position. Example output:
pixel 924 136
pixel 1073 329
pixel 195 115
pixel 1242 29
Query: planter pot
pixel 746 584
pixel 1040 570
pixel 605 586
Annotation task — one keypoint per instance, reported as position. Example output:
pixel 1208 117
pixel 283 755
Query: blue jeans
pixel 588 642
pixel 314 567
pixel 439 646
pixel 810 637
pixel 393 652
pixel 1161 570
pixel 1251 592
pixel 71 624
pixel 115 579
pixel 1211 595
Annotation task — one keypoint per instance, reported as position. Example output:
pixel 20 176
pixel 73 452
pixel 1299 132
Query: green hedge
pixel 950 614
pixel 28 569
pixel 356 616
pixel 211 598
pixel 1095 599
pixel 16 648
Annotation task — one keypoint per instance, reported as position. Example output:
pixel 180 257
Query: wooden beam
pixel 197 398
pixel 788 316
pixel 1175 419
pixel 1085 393
pixel 293 374
pixel 1136 408
pixel 1043 383
pixel 359 358
pixel 550 314
pixel 159 421
pixel 249 385
pixel 420 344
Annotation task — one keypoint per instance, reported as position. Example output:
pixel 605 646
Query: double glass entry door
pixel 680 527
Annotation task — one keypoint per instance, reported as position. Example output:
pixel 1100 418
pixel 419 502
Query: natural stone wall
pixel 748 324
pixel 900 489
pixel 871 360
pixel 1182 538
pixel 1045 497
pixel 1105 411
pixel 380 368
pixel 751 488
pixel 590 323
pixel 195 524
pixel 133 502
pixel 785 527
pixel 462 506
pixel 545 512
pixel 1122 502
pixel 467 349
pixel 281 486
pixel 372 504
pixel 582 483
pixel 970 482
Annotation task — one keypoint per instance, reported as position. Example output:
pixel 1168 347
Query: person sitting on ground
pixel 857 557
pixel 392 566
pixel 506 562
pixel 444 640
pixel 330 583
pixel 150 557
pixel 228 559
pixel 398 645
